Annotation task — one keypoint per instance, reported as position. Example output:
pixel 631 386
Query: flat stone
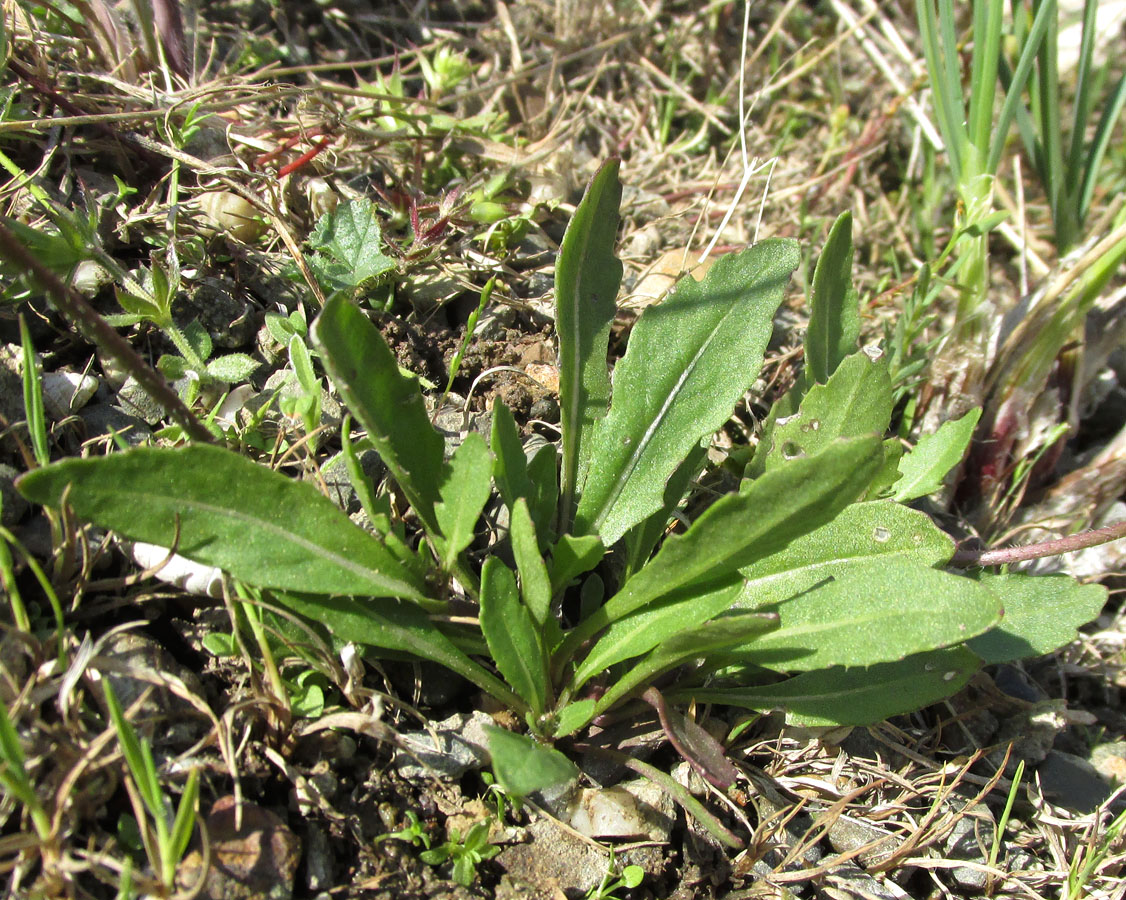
pixel 640 811
pixel 556 861
pixel 1109 760
pixel 255 861
pixel 1071 782
pixel 847 834
pixel 462 745
pixel 970 840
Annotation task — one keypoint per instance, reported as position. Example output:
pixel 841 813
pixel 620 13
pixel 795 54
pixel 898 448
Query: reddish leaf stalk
pixel 1069 544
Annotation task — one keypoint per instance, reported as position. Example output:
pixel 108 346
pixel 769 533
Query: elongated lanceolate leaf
pixel 465 490
pixel 513 638
pixel 923 469
pixel 872 615
pixel 510 470
pixel 257 524
pixel 834 318
pixel 716 635
pixel 399 627
pixel 587 278
pixel 645 629
pixel 644 536
pixel 572 556
pixel 740 528
pixel 1042 613
pixel 535 582
pixel 387 404
pixel 689 360
pixel 857 696
pixel 865 536
pixel 856 400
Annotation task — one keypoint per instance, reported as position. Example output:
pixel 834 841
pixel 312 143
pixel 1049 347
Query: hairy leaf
pixel 741 528
pixel 720 633
pixel 689 360
pixel 523 766
pixel 873 615
pixel 387 404
pixel 1042 613
pixel 923 469
pixel 834 318
pixel 572 556
pixel 587 278
pixel 856 696
pixel 258 525
pixel 856 400
pixel 513 638
pixel 534 580
pixel 865 536
pixel 464 490
pixel 511 468
pixel 658 622
pixel 400 627
pixel 348 248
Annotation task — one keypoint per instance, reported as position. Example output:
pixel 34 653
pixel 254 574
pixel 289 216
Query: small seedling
pixel 466 854
pixel 414 833
pixel 614 881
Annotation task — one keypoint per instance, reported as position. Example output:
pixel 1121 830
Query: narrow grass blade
pixel 587 278
pixel 1111 112
pixel 33 398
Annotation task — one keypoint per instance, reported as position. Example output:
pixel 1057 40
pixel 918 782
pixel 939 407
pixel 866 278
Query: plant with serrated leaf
pixel 149 299
pixel 348 258
pixel 812 587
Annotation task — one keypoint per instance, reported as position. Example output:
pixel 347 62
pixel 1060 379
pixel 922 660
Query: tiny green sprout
pixel 413 833
pixel 466 853
pixel 613 881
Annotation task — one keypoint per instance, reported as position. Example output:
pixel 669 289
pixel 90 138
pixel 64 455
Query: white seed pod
pixel 90 277
pixel 322 198
pixel 64 393
pixel 193 577
pixel 232 214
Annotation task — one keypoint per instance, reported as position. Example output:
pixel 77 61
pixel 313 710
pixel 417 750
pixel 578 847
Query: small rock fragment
pixel 257 861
